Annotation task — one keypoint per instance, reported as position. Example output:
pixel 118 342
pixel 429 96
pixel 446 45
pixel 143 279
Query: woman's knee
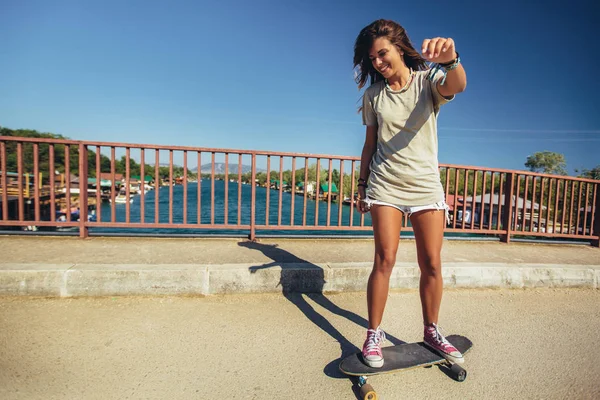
pixel 385 260
pixel 431 264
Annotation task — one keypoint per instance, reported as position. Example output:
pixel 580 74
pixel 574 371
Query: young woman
pixel 399 165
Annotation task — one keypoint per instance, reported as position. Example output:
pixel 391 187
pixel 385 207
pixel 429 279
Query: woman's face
pixel 386 58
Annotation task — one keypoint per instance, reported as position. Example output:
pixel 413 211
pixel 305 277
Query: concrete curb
pixel 66 280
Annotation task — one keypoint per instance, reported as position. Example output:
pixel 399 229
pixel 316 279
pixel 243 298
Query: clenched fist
pixel 439 50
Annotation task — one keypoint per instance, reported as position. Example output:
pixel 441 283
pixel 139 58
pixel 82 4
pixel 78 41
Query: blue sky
pixel 277 75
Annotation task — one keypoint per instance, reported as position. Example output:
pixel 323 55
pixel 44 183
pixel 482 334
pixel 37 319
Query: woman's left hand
pixel 438 50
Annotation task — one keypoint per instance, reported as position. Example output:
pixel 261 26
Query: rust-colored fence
pixel 97 188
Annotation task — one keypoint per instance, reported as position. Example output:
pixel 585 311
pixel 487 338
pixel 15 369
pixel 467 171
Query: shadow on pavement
pixel 301 279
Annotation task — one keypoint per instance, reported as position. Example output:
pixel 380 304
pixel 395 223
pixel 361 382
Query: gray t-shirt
pixel 404 169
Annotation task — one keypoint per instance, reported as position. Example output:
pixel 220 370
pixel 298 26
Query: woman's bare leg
pixel 428 227
pixel 386 229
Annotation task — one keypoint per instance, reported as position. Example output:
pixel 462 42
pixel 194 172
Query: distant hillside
pixel 220 168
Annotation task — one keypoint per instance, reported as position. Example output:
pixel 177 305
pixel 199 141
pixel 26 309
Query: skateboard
pixel 403 357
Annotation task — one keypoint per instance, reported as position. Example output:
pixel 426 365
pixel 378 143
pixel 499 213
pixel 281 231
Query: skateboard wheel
pixel 367 392
pixel 458 373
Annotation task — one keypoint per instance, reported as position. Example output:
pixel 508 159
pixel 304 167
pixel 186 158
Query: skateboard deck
pixel 403 356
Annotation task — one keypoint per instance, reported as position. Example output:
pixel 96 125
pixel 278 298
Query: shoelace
pixel 375 337
pixel 438 337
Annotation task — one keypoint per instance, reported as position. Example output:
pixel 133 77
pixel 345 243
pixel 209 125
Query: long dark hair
pixel 396 34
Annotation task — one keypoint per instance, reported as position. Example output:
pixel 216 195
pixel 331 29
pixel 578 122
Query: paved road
pixel 528 344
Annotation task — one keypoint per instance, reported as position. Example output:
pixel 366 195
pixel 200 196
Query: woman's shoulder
pixel 374 89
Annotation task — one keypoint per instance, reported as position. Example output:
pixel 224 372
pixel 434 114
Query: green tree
pixel 43 154
pixel 593 173
pixel 300 175
pixel 287 177
pixel 547 162
pixel 335 177
pixel 262 178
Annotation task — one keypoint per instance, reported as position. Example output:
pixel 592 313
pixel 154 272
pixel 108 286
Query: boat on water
pixel 121 198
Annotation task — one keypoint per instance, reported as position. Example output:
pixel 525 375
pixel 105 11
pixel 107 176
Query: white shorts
pixel 408 210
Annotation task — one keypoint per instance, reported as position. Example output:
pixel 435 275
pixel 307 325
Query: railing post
pixel 596 214
pixel 508 207
pixel 252 235
pixel 83 193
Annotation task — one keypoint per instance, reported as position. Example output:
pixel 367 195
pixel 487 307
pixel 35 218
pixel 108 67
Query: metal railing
pixel 154 187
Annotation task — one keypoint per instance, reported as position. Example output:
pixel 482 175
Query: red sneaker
pixel 437 342
pixel 371 351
